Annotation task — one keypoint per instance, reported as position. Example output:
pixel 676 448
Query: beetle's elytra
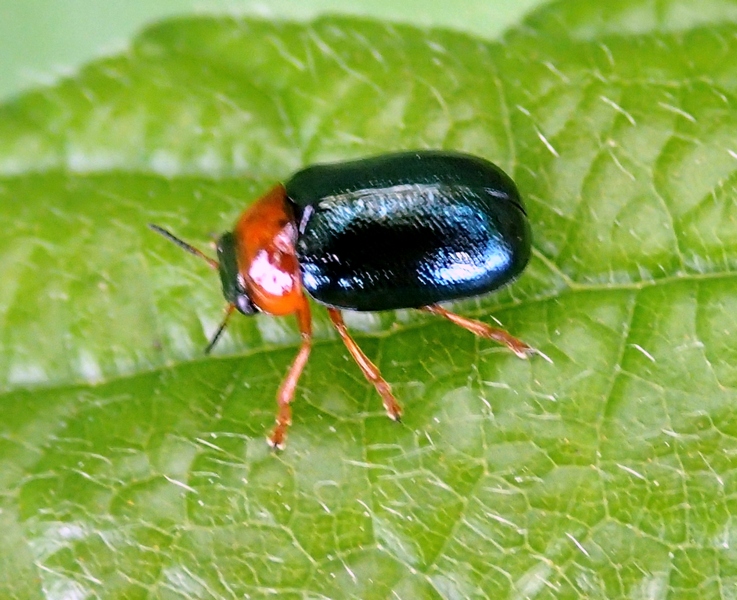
pixel 405 230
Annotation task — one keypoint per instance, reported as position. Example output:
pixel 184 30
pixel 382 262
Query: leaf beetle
pixel 401 230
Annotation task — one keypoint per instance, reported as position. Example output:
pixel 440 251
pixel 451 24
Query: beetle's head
pixel 234 288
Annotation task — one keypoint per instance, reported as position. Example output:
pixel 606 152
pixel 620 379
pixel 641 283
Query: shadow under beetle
pixel 404 230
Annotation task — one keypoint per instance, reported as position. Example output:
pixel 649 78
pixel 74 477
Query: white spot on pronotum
pixel 271 279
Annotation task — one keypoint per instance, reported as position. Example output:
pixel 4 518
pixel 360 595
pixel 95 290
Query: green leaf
pixel 133 466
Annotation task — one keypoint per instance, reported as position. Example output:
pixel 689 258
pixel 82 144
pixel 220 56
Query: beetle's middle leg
pixel 369 369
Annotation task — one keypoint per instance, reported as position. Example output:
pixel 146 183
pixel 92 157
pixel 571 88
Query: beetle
pixel 401 230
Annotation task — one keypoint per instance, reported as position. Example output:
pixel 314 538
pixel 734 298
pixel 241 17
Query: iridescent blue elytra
pixel 407 230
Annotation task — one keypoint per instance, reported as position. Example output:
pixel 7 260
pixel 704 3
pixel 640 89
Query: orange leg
pixel 483 330
pixel 369 369
pixel 285 395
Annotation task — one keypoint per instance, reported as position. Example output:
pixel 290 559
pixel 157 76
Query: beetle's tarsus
pixel 542 355
pixel 276 446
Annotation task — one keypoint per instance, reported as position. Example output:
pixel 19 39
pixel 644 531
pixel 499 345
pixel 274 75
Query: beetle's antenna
pixel 228 311
pixel 184 245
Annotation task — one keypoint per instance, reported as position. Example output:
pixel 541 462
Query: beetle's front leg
pixel 285 395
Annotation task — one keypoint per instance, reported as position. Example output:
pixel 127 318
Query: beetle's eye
pixel 244 305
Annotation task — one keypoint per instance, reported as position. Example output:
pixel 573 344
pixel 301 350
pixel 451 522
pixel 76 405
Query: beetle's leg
pixel 285 395
pixel 370 370
pixel 483 330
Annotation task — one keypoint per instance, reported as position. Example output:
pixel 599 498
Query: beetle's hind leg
pixel 369 369
pixel 486 331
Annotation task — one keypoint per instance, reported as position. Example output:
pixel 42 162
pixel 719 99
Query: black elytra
pixel 407 230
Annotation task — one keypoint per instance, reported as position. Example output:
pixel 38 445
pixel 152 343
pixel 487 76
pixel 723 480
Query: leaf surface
pixel 134 467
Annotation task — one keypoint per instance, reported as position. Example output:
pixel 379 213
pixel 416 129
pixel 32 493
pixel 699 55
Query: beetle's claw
pixel 529 351
pixel 523 350
pixel 523 353
pixel 276 441
pixel 394 413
